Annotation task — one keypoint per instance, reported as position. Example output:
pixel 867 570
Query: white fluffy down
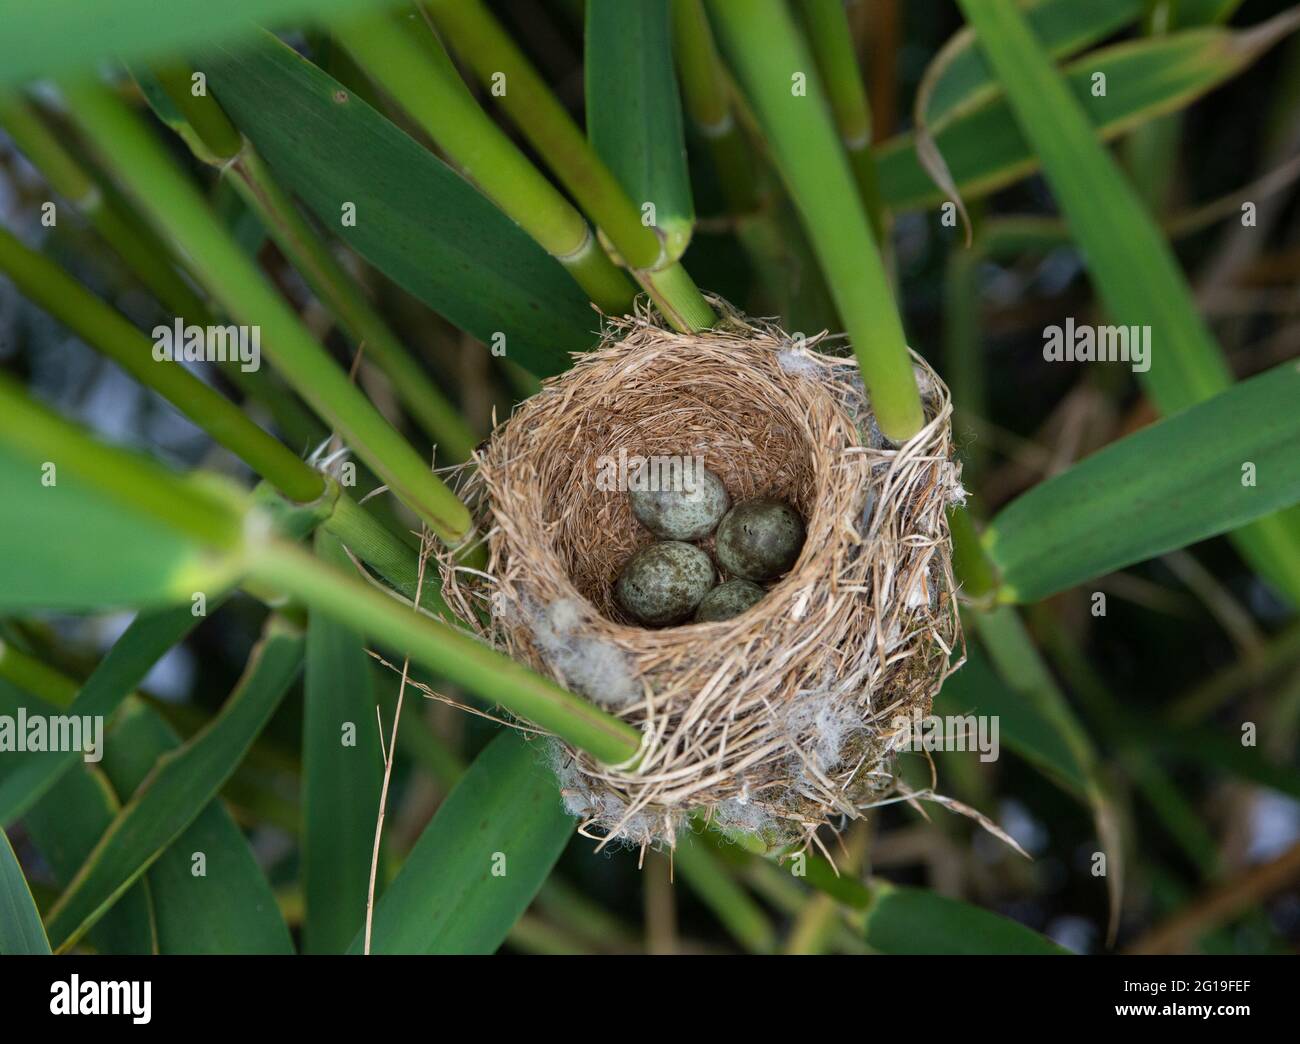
pixel 588 666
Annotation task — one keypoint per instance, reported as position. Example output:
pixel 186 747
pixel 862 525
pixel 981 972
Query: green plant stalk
pixel 479 39
pixel 1151 152
pixel 36 433
pixel 1018 661
pixel 533 935
pixel 47 285
pixel 476 36
pixel 1279 651
pixel 106 330
pixel 178 210
pixel 963 353
pixel 215 140
pixel 204 116
pixel 633 111
pixel 974 569
pixel 781 891
pixel 42 281
pixel 832 46
pixel 819 918
pixel 522 382
pixel 1151 157
pixel 677 297
pixel 48 155
pixel 420 221
pixel 1114 237
pixel 599 928
pixel 1021 666
pixel 367 537
pixel 403 56
pixel 706 95
pixel 377 546
pixel 144 253
pixel 767 227
pixel 447 651
pixel 734 163
pixel 100 326
pixel 963 333
pixel 312 256
pixel 219 523
pixel 769 55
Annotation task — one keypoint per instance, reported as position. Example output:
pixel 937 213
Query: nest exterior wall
pixel 779 719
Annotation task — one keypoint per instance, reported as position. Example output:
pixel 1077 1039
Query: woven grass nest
pixel 778 720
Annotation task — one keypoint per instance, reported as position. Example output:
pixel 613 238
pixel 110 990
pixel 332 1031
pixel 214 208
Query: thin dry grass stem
pixel 787 715
pixel 391 751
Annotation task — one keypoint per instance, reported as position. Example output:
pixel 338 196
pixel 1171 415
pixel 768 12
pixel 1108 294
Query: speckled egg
pixel 686 514
pixel 760 539
pixel 663 583
pixel 728 600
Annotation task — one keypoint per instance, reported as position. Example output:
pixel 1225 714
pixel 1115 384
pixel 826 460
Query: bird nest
pixel 790 714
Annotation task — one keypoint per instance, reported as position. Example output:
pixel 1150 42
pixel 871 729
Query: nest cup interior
pixel 751 436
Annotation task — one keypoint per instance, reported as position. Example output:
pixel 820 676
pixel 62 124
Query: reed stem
pixel 832 46
pixel 179 211
pixel 781 81
pixel 198 510
pixel 221 144
pixel 48 286
pixel 500 65
pixel 447 651
pixel 143 252
pixel 401 54
pixel 707 97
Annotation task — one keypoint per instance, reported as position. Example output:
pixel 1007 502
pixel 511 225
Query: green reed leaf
pixel 54 37
pixel 985 149
pixel 418 221
pixel 228 908
pixel 1128 257
pixel 181 784
pixel 20 924
pixel 481 860
pixel 918 921
pixel 24 777
pixel 781 82
pixel 68 821
pixel 340 780
pixel 1207 470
